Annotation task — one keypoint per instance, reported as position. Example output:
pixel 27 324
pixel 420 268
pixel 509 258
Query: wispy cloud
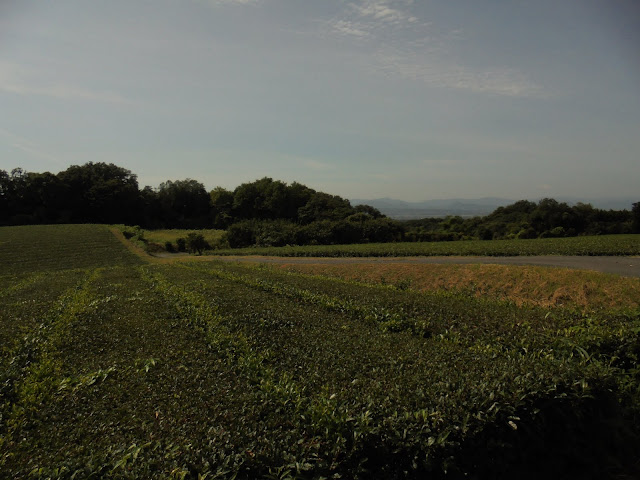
pixel 438 72
pixel 231 2
pixel 350 28
pixel 405 45
pixel 369 18
pixel 19 80
pixel 384 11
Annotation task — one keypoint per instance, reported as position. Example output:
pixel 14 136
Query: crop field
pixel 594 245
pixel 221 370
pixel 35 248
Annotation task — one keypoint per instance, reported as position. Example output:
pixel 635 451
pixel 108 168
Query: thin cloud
pixel 354 29
pixel 407 47
pixel 368 18
pixel 382 11
pixel 231 2
pixel 439 73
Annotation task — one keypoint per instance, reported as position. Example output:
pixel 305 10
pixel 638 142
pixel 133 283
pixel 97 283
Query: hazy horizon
pixel 364 99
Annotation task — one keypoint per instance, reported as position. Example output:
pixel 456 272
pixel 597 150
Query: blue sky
pixel 413 100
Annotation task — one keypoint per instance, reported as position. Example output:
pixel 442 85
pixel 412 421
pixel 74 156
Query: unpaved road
pixel 625 266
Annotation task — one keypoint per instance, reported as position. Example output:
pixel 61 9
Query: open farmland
pixel 220 370
pixel 33 248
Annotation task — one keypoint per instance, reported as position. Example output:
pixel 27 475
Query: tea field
pixel 220 370
pixel 33 248
pixel 587 245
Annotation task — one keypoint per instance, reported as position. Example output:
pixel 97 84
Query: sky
pixel 408 99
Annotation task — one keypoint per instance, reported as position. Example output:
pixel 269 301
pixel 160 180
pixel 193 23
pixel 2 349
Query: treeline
pixel 269 212
pixel 265 212
pixel 526 219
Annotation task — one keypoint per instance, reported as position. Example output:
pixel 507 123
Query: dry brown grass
pixel 534 285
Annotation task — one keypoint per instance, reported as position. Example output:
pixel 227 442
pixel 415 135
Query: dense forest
pixel 269 212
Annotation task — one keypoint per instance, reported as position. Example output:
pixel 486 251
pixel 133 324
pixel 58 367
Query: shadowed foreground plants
pixel 210 370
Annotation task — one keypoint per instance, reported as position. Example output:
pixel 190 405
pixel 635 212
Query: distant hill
pixel 401 210
pixel 466 207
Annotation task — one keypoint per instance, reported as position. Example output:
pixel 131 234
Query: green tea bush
pixel 594 245
pixel 216 370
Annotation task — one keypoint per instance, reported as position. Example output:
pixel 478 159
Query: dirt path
pixel 625 266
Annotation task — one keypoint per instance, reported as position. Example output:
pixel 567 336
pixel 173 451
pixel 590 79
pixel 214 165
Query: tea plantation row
pixel 210 370
pixel 587 245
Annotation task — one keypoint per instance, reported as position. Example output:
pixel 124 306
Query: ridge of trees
pixel 272 212
pixel 526 219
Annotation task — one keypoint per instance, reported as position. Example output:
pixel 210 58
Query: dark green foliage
pixel 184 204
pixel 635 212
pixel 106 193
pixel 196 243
pixel 98 193
pixel 322 206
pixel 221 207
pixel 182 244
pixel 524 219
pixel 358 228
pixel 91 193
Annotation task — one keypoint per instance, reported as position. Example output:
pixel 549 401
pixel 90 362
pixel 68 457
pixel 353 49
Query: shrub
pixel 196 243
pixel 241 234
pixel 182 244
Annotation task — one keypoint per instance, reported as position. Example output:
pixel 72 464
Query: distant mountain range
pixel 466 207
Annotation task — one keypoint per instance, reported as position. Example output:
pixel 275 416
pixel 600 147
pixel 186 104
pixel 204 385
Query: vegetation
pixel 596 245
pixel 526 219
pixel 271 213
pixel 582 290
pixel 35 248
pixel 211 236
pixel 212 370
pixel 264 212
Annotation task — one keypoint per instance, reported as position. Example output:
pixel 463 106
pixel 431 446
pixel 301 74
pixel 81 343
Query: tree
pixel 322 206
pixel 5 196
pixel 263 199
pixel 196 243
pixel 635 215
pixel 221 207
pixel 100 193
pixel 369 210
pixel 184 204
